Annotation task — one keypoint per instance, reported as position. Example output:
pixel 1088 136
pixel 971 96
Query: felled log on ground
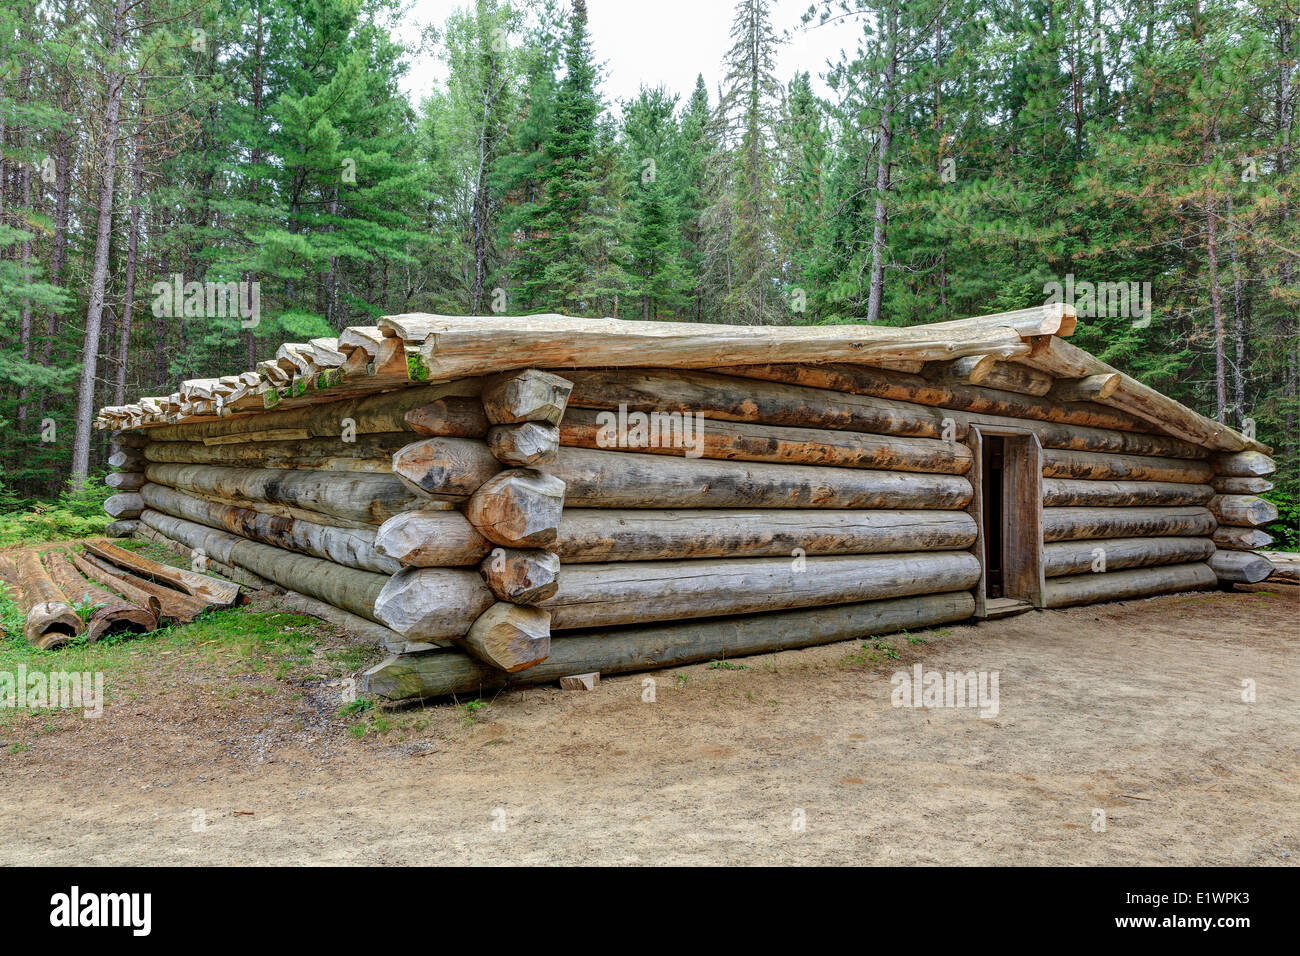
pixel 1124 585
pixel 595 478
pixel 1242 511
pixel 372 498
pixel 1240 539
pixel 623 650
pixel 348 588
pixel 351 547
pixel 431 539
pixel 51 620
pixel 667 434
pixel 1102 467
pixel 1286 565
pixel 221 594
pixel 1075 524
pixel 425 604
pixel 1241 567
pixel 1070 492
pixel 730 398
pixel 599 595
pixel 600 535
pixel 1115 554
pixel 170 606
pixel 126 504
pixel 510 637
pixel 111 614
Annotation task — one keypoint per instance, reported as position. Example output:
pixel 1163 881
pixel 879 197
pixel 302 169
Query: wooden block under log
pixel 1242 511
pixel 426 604
pixel 126 504
pixel 125 480
pixel 1241 567
pixel 597 535
pixel 580 681
pixel 1228 485
pixel 519 508
pixel 1114 554
pixel 595 478
pixel 51 621
pixel 449 468
pixel 1058 463
pixel 1244 464
pixel 746 400
pixel 527 396
pixel 599 595
pixel 1125 585
pixel 521 576
pixel 1241 539
pixel 667 434
pixel 1060 492
pixel 523 445
pixel 1074 524
pixel 510 637
pixel 431 539
pixel 449 417
pixel 623 650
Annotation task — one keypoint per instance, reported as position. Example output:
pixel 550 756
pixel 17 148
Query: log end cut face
pixel 519 508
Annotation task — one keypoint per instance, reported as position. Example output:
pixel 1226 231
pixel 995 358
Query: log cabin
pixel 505 500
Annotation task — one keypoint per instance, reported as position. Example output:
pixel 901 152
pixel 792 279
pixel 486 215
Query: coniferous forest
pixel 971 156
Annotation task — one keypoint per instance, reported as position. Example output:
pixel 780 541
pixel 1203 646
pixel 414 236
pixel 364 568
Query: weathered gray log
pixel 1061 492
pixel 1242 511
pixel 599 535
pixel 125 504
pixel 1058 463
pixel 1075 524
pixel 859 381
pixel 368 453
pixel 745 400
pixel 668 434
pixel 431 539
pixel 1244 464
pixel 526 396
pixel 519 508
pixel 350 547
pixel 620 651
pixel 122 529
pixel 985 370
pixel 1228 485
pixel 1115 554
pixel 125 480
pixel 1090 388
pixel 523 445
pixel 510 637
pixel 120 440
pixel 599 595
pixel 521 576
pixel 451 417
pixel 897 386
pixel 373 498
pixel 110 615
pixel 348 588
pixel 241 576
pixel 1241 567
pixel 425 604
pixel 1241 539
pixel 383 637
pixel 449 468
pixel 1286 565
pixel 595 478
pixel 1124 585
pixel 51 620
pixel 130 459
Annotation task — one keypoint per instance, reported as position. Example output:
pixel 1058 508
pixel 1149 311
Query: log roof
pixel 421 349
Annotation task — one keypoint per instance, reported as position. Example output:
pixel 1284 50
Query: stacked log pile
pixel 127 460
pixel 545 496
pixel 1239 479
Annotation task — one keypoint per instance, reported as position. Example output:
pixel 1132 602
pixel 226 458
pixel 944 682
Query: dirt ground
pixel 1133 709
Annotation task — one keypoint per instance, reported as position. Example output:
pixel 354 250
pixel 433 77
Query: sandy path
pixel 1133 709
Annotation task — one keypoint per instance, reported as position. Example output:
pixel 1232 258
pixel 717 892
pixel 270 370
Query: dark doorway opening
pixel 994 460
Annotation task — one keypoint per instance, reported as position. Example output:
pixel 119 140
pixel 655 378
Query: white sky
pixel 655 42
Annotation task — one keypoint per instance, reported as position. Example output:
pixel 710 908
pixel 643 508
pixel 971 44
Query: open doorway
pixel 1008 508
